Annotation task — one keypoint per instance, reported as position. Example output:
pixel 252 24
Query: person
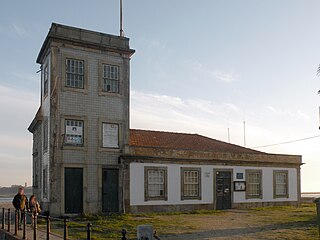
pixel 20 203
pixel 34 208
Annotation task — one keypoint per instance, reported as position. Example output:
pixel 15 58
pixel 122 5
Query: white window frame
pixel 161 186
pixel 75 73
pixel 105 137
pixel 45 80
pixel 111 74
pixel 276 184
pixel 258 184
pixel 190 189
pixel 80 123
pixel 45 135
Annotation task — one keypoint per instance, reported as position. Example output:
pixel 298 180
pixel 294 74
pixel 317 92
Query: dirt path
pixel 266 223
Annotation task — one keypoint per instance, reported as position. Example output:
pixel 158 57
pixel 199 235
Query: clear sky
pixel 200 66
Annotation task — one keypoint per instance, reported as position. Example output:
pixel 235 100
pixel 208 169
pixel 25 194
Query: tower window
pixel 111 78
pixel 74 73
pixel 45 135
pixel 74 132
pixel 110 135
pixel 45 80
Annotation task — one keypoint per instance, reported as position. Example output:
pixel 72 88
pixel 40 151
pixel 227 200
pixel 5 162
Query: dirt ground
pixel 262 223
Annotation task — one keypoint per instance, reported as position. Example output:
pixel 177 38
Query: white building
pixel 174 172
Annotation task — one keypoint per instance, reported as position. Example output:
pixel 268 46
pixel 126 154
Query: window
pixel 190 183
pixel 155 183
pixel 74 132
pixel 110 132
pixel 45 80
pixel 280 184
pixel 44 183
pixel 111 78
pixel 254 179
pixel 35 173
pixel 45 135
pixel 74 73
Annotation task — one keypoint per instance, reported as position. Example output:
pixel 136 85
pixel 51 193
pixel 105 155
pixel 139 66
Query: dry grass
pixel 259 223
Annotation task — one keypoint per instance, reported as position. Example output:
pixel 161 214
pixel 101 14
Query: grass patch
pixel 280 222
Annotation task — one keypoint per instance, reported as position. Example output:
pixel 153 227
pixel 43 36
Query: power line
pixel 292 141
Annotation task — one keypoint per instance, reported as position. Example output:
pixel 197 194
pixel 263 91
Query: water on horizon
pixel 5 200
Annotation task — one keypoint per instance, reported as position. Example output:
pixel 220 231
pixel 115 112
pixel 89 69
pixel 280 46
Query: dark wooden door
pixel 73 186
pixel 223 190
pixel 110 190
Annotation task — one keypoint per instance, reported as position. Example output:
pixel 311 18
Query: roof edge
pixel 203 155
pixel 52 34
pixel 37 118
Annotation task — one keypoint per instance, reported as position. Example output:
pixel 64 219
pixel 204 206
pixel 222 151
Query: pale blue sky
pixel 198 67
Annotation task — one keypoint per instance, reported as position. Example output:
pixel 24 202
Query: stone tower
pixel 82 125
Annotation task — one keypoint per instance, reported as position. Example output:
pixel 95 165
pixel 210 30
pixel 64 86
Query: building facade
pixel 82 125
pixel 168 171
pixel 87 160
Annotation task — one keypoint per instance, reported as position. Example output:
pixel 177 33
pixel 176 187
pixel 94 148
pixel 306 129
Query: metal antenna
pixel 121 20
pixel 244 133
pixel 228 132
pixel 244 129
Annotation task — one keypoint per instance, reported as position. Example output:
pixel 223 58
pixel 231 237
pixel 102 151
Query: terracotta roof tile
pixel 171 140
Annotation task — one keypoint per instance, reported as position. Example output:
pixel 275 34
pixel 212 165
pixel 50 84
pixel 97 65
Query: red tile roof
pixel 171 140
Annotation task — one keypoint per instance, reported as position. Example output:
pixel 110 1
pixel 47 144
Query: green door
pixel 73 186
pixel 110 190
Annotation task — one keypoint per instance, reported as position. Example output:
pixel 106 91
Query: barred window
pixel 190 183
pixel 111 78
pixel 74 73
pixel 74 132
pixel 45 80
pixel 156 183
pixel 253 179
pixel 280 183
pixel 45 135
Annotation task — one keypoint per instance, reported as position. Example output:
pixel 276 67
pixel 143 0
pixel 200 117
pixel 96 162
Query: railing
pixel 7 219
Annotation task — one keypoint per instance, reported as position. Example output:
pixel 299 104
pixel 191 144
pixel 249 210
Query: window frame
pixel 275 195
pixel 45 183
pixel 182 172
pixel 64 58
pixel 65 133
pixel 248 196
pixel 146 184
pixel 103 65
pixel 66 72
pixel 45 136
pixel 102 138
pixel 45 80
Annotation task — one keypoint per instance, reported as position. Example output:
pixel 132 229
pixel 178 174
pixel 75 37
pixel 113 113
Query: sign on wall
pixel 239 186
pixel 74 135
pixel 110 135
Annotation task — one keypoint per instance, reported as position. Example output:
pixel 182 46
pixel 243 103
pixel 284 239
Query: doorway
pixel 223 189
pixel 73 186
pixel 110 190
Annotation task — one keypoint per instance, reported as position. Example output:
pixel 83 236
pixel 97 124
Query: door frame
pixel 120 191
pixel 215 170
pixel 62 187
pixel 63 199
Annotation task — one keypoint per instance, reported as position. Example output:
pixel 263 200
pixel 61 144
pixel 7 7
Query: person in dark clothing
pixel 20 203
